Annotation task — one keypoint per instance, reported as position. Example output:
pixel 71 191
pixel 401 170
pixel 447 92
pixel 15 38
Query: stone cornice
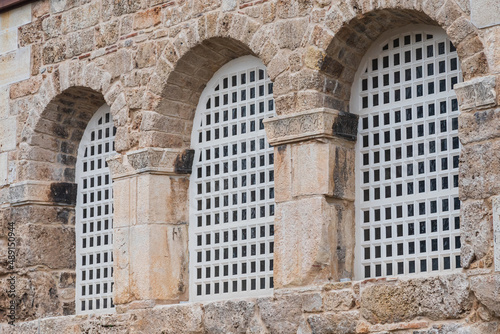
pixel 311 124
pixel 151 160
pixel 42 193
pixel 479 93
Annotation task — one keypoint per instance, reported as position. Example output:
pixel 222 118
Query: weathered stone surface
pixel 169 320
pixel 479 165
pixel 43 252
pixel 485 13
pixel 36 295
pixel 476 228
pixel 280 314
pixel 229 316
pixel 442 297
pixel 338 300
pixel 301 261
pixel 487 291
pixel 334 323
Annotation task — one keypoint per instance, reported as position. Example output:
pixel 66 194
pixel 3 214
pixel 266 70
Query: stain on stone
pixel 60 131
pixel 184 162
pixel 63 192
pixel 331 67
pixel 281 148
pixel 346 126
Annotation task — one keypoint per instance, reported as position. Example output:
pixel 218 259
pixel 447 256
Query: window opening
pixel 94 216
pixel 232 186
pixel 407 156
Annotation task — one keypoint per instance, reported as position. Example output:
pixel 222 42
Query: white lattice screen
pixel 407 205
pixel 232 186
pixel 94 216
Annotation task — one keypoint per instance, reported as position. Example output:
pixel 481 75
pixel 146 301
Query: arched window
pixel 231 228
pixel 94 216
pixel 407 155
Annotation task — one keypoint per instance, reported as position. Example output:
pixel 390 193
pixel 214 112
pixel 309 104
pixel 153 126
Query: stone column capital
pixel 478 93
pixel 311 124
pixel 152 160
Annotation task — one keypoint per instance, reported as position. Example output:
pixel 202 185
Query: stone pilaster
pixel 479 171
pixel 314 183
pixel 150 227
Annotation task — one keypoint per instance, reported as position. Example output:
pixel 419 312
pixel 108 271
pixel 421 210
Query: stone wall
pixel 149 61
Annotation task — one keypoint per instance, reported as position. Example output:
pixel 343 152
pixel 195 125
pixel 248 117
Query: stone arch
pixel 342 56
pixel 44 194
pixel 187 63
pixel 66 101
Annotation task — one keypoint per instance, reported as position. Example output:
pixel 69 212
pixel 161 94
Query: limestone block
pixel 15 66
pixel 172 319
pixel 229 316
pixel 122 204
pixel 480 125
pixel 478 93
pixel 159 270
pixel 282 173
pixel 281 314
pixel 121 265
pixel 162 199
pixel 338 300
pixel 316 123
pixel 312 302
pixel 323 167
pixel 4 170
pixel 487 290
pixel 4 102
pixel 36 298
pixel 8 40
pixel 16 17
pixel 441 297
pixel 312 162
pixel 475 227
pixel 42 252
pixel 495 202
pixel 335 323
pixel 485 13
pixel 479 175
pixel 306 241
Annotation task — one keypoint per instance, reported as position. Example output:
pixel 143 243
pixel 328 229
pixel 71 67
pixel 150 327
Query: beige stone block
pixel 305 242
pixel 4 170
pixel 4 102
pixel 485 13
pixel 323 167
pixel 311 165
pixel 282 173
pixel 121 265
pixel 162 199
pixel 121 202
pixel 15 66
pixel 157 272
pixel 8 128
pixel 8 40
pixel 15 17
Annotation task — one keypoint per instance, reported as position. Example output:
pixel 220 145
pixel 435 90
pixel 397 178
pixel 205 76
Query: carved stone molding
pixel 307 125
pixel 151 160
pixel 478 93
pixel 42 193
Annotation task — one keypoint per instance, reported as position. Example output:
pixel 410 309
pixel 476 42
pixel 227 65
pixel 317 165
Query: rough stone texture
pixel 485 13
pixel 442 297
pixel 487 291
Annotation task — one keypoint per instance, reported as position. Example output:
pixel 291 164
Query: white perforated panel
pixel 94 216
pixel 232 186
pixel 407 205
